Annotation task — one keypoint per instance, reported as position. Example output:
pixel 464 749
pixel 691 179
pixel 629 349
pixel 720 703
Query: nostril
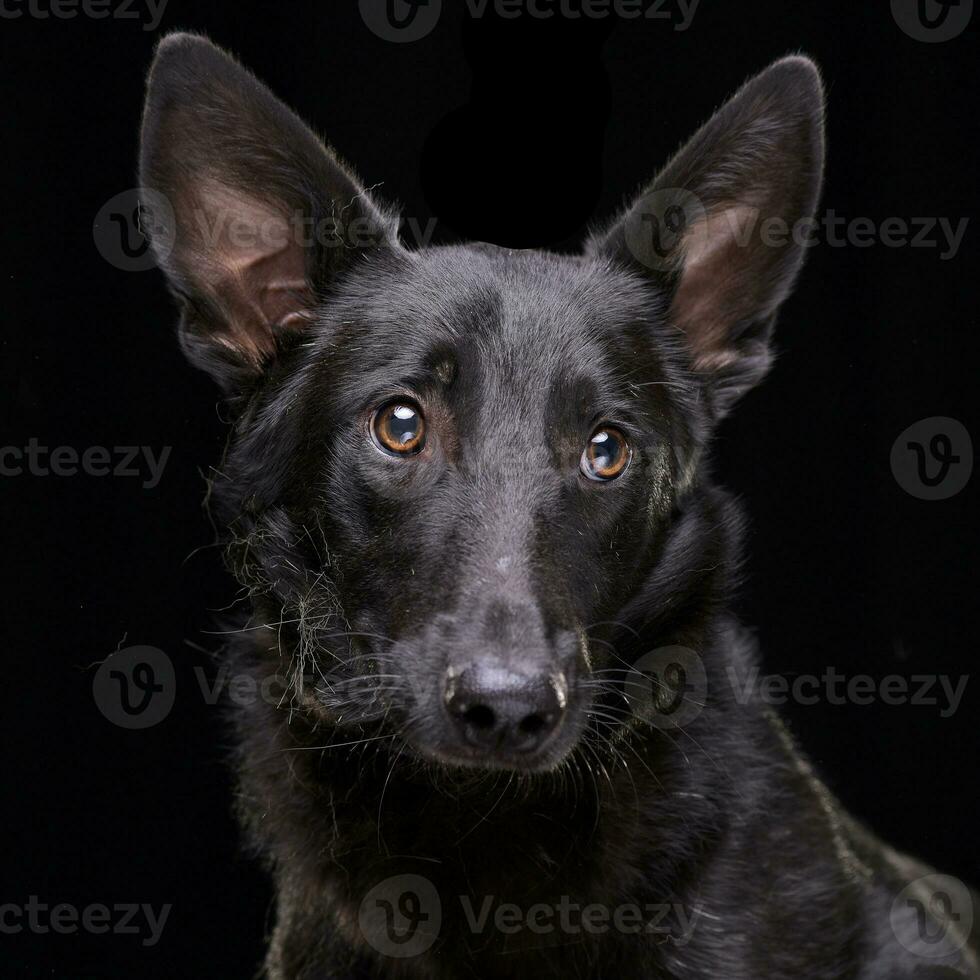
pixel 535 723
pixel 480 716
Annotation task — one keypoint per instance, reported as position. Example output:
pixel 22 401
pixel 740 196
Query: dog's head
pixel 464 484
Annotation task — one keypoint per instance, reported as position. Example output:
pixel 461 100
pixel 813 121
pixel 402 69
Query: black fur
pixel 369 576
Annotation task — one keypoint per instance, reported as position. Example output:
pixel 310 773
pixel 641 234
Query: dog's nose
pixel 499 710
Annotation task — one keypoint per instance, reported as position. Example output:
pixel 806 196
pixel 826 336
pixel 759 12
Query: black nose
pixel 499 710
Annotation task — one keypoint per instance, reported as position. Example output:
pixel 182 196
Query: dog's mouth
pixel 445 748
pixel 483 762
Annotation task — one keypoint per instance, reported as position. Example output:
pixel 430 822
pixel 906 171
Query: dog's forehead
pixel 523 330
pixel 526 313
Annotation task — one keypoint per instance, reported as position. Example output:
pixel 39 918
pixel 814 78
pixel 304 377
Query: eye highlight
pixel 607 455
pixel 398 428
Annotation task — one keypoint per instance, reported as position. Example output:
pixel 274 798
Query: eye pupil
pixel 603 451
pixel 606 456
pixel 403 424
pixel 398 428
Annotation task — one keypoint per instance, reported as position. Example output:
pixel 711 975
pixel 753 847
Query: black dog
pixel 467 491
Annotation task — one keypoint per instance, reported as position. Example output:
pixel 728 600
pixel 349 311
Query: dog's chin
pixel 463 760
pixel 445 753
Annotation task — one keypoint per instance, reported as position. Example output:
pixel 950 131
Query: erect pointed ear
pixel 723 228
pixel 249 214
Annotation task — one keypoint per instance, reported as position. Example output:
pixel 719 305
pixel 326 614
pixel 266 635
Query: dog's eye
pixel 399 427
pixel 607 454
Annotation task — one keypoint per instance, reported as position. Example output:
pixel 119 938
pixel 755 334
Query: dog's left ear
pixel 722 229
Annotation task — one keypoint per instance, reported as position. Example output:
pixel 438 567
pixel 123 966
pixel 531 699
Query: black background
pixel 516 132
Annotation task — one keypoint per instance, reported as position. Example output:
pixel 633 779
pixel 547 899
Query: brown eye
pixel 398 427
pixel 607 454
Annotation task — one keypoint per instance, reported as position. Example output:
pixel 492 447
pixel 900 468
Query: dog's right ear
pixel 249 214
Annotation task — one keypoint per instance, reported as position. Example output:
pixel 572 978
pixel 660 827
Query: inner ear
pixel 715 288
pixel 253 265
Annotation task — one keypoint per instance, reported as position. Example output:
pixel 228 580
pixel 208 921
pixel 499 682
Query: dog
pixel 467 492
